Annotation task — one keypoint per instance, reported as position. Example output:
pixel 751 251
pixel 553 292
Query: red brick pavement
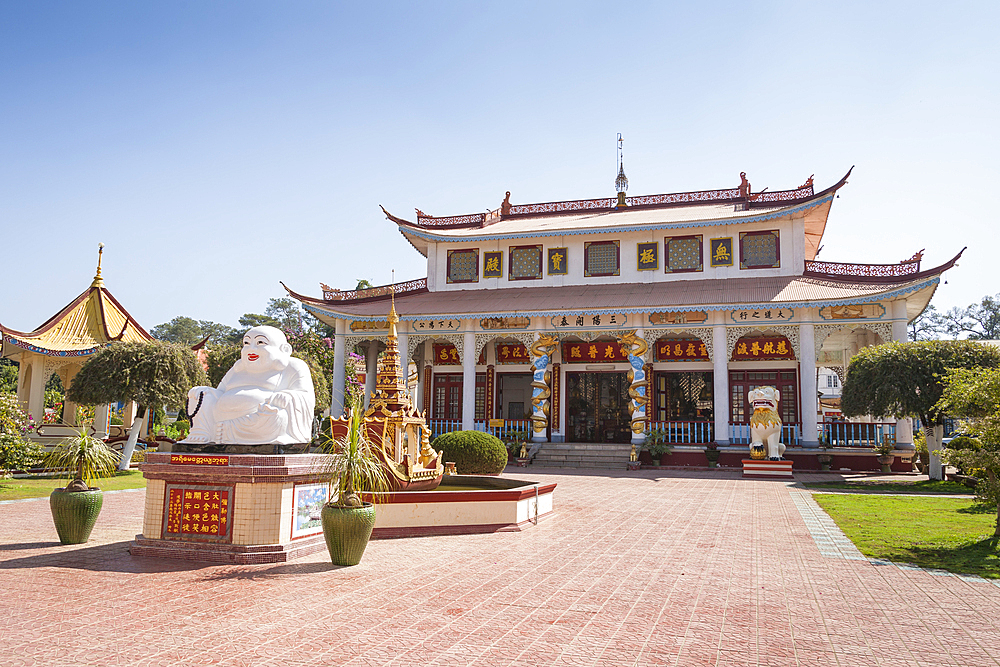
pixel 645 568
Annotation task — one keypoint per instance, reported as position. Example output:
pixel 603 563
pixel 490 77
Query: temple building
pixel 596 320
pixel 63 343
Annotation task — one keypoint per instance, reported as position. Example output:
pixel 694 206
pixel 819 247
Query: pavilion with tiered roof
pixel 64 342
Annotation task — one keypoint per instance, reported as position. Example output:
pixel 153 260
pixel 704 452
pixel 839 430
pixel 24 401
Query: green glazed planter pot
pixel 75 513
pixel 347 531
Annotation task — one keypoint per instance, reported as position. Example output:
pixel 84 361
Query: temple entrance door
pixel 597 407
pixel 513 396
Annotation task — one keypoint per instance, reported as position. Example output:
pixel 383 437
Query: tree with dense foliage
pixel 929 325
pixel 906 380
pixel 187 331
pixel 8 377
pixel 980 321
pixel 150 373
pixel 975 395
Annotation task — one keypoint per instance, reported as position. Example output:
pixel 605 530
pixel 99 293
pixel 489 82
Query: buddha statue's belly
pixel 237 403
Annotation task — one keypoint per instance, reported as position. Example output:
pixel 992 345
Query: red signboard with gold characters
pixel 445 354
pixel 198 512
pixel 759 348
pixel 681 349
pixel 512 353
pixel 591 353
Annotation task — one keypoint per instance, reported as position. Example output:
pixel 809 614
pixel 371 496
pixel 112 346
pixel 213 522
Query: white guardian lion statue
pixel 765 424
pixel 265 398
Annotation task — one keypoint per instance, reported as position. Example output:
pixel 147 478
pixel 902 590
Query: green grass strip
pixel 953 534
pixel 925 486
pixel 41 487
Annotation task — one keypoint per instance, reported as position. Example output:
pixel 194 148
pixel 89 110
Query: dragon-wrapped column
pixel 634 347
pixel 541 354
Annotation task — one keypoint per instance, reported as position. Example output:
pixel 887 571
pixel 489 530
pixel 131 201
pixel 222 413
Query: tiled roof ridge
pixel 738 196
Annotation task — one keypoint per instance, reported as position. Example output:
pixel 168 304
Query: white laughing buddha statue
pixel 265 398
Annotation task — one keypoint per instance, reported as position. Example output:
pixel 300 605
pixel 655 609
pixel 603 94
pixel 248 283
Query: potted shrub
pixel 884 453
pixel 659 448
pixel 353 468
pixel 712 454
pixel 76 506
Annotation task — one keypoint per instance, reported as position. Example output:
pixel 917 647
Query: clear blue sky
pixel 217 148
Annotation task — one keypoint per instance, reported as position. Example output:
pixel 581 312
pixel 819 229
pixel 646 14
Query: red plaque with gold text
pixel 199 459
pixel 196 512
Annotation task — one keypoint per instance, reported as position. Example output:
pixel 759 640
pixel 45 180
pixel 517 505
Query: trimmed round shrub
pixel 473 453
pixel 963 442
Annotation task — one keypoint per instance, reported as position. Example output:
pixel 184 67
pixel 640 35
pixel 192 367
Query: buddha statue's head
pixel 265 349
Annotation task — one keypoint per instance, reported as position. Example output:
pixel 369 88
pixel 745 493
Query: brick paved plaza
pixel 646 568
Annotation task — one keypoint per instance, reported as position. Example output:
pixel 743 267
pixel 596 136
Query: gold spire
pixel 98 281
pixel 393 317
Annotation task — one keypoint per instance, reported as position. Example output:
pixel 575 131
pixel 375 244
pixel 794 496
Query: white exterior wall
pixel 791 241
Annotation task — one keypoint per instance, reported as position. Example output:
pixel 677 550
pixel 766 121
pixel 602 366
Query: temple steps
pixel 582 455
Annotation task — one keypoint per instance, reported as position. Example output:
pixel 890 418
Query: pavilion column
pixel 36 390
pixel 807 384
pixel 339 371
pixel 102 420
pixel 371 369
pixel 720 382
pixel 904 425
pixel 469 382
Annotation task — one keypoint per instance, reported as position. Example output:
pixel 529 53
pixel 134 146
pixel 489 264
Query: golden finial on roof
pixel 393 317
pixel 98 281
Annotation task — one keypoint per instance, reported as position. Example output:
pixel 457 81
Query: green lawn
pixel 953 534
pixel 40 487
pixel 903 486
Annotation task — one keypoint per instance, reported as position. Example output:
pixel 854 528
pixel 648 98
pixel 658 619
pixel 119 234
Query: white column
pixel 807 385
pixel 402 342
pixel 102 417
pixel 720 382
pixel 371 368
pixel 469 382
pixel 904 427
pixel 339 372
pixel 36 391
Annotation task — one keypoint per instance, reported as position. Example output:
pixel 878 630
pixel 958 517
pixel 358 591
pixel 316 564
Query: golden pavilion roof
pixel 89 322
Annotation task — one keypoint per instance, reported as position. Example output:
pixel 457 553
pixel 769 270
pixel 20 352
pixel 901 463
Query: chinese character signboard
pixel 557 262
pixel 762 348
pixel 679 317
pixel 196 512
pixel 505 322
pixel 722 251
pixel 512 353
pixel 759 315
pixel 601 351
pixel 436 325
pixel 599 321
pixel 445 354
pixel 647 256
pixel 680 349
pixel 492 265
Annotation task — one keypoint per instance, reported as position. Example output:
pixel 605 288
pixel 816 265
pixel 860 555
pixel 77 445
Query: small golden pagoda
pixel 400 428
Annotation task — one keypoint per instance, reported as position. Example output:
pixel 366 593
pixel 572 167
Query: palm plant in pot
pixel 76 506
pixel 353 468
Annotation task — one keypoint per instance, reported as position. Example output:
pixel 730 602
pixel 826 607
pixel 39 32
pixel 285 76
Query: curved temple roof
pixel 668 211
pixel 812 289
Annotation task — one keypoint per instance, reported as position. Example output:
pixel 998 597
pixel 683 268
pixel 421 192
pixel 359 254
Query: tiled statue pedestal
pixel 232 508
pixel 764 469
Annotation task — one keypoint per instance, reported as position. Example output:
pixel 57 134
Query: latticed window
pixel 741 383
pixel 600 258
pixel 463 266
pixel 448 396
pixel 525 263
pixel 684 254
pixel 759 250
